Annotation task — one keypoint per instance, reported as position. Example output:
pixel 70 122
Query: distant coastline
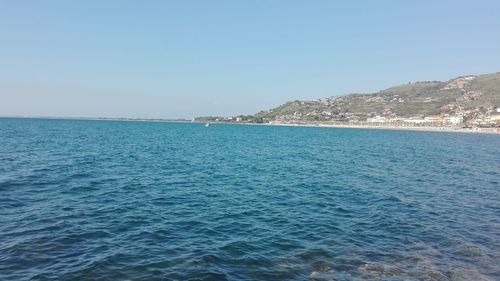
pixel 468 103
pixel 495 131
pixel 397 128
pixel 180 120
pixel 309 125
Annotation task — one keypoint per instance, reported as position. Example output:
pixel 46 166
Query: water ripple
pixel 88 200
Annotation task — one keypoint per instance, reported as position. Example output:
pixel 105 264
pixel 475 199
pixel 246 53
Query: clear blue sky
pixel 190 58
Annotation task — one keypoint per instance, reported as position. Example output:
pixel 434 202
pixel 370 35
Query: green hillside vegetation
pixel 489 86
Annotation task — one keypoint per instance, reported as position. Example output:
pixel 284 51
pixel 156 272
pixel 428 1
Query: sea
pixel 113 200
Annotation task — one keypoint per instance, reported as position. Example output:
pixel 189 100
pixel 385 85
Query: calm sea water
pixel 97 200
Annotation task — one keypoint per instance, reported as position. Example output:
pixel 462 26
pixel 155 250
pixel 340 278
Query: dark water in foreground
pixel 96 200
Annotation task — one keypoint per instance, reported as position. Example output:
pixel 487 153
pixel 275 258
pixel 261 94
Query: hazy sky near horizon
pixel 179 59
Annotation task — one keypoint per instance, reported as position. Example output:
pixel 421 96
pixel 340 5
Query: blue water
pixel 104 200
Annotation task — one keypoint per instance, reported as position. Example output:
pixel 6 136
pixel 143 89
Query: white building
pixel 415 121
pixel 453 120
pixel 377 119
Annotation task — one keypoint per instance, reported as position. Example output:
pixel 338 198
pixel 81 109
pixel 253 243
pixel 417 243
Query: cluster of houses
pixel 469 118
pixel 460 118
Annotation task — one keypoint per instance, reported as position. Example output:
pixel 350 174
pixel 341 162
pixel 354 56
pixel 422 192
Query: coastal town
pixel 467 119
pixel 489 117
pixel 467 102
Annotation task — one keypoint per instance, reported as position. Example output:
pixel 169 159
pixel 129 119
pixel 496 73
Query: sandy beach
pixel 423 129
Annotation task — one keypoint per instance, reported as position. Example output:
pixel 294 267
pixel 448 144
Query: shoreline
pixel 490 131
pixel 118 119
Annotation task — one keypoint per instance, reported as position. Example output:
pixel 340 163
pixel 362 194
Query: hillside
pixel 466 95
